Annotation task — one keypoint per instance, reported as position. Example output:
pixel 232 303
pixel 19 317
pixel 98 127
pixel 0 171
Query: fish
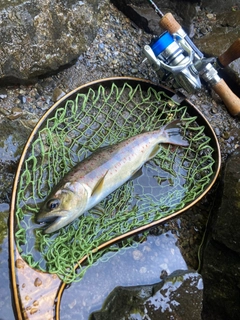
pixel 98 175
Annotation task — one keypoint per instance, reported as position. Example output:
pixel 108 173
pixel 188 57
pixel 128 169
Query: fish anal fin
pixel 136 174
pixel 99 185
pixel 154 152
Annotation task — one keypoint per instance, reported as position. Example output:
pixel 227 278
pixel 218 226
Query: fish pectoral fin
pixel 154 152
pixel 99 185
pixel 98 210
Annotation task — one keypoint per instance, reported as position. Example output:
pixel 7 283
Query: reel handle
pixel 231 101
pixel 231 54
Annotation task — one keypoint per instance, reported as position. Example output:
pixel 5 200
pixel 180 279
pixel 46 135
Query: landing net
pixel 172 180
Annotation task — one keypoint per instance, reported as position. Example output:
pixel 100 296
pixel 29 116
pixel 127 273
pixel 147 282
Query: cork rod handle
pixel 169 23
pixel 231 54
pixel 231 101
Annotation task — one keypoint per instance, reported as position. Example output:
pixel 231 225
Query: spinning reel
pixel 173 54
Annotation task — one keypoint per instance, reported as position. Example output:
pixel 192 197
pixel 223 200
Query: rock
pixel 3 93
pixel 221 257
pixel 219 5
pixel 168 299
pixel 144 16
pixel 57 94
pixel 38 37
pixel 13 137
pixel 224 32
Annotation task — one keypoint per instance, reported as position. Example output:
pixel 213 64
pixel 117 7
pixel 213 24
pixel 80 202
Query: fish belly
pixel 119 169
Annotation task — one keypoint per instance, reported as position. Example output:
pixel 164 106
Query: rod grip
pixel 231 54
pixel 169 23
pixel 231 101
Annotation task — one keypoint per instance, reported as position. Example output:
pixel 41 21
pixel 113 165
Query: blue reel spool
pixel 161 43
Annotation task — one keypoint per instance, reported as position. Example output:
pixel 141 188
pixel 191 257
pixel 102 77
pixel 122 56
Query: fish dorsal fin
pixel 99 185
pixel 154 152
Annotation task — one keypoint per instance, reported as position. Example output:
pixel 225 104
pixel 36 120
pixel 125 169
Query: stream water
pixel 6 309
pixel 134 266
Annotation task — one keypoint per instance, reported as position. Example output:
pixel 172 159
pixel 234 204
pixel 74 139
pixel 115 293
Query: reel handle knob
pixel 231 101
pixel 231 54
pixel 169 23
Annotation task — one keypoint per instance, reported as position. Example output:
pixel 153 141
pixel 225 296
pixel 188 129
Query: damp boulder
pixel 225 31
pixel 219 5
pixel 144 16
pixel 38 37
pixel 13 138
pixel 221 257
pixel 178 296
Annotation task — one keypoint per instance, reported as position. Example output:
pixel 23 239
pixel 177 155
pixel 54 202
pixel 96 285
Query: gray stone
pixel 225 31
pixel 143 14
pixel 223 34
pixel 219 5
pixel 228 223
pixel 168 299
pixel 38 37
pixel 221 257
pixel 13 138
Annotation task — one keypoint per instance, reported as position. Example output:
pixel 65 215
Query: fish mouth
pixel 50 228
pixel 43 217
pixel 53 222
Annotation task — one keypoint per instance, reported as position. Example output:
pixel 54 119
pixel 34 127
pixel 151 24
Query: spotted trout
pixel 100 174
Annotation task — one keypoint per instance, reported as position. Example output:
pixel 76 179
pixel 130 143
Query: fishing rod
pixel 157 10
pixel 173 54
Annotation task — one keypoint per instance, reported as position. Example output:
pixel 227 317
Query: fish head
pixel 63 206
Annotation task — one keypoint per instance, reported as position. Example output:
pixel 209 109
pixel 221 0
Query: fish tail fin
pixel 171 133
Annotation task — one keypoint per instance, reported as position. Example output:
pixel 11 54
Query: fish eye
pixel 53 204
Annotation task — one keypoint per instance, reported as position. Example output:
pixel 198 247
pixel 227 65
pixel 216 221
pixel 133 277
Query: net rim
pixel 107 82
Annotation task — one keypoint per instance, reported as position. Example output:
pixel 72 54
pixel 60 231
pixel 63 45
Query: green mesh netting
pixel 172 180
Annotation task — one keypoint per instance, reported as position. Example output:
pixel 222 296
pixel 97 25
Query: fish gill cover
pixel 169 182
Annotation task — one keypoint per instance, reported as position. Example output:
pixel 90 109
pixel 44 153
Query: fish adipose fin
pixel 172 134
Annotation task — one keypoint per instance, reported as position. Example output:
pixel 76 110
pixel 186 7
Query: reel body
pixel 175 55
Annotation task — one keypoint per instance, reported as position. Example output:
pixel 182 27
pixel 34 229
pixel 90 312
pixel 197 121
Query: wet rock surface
pixel 142 13
pixel 168 299
pixel 222 30
pixel 221 257
pixel 13 138
pixel 218 6
pixel 39 37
